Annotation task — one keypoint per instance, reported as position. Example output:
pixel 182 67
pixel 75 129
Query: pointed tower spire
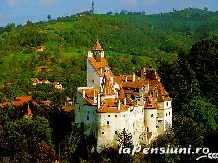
pixel 28 113
pixel 97 46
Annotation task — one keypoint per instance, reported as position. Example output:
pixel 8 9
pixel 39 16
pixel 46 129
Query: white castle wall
pixel 150 120
pixel 93 78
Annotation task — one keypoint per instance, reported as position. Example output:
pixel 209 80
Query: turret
pixel 97 52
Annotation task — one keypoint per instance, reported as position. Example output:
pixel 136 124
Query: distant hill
pixel 136 39
pixel 124 32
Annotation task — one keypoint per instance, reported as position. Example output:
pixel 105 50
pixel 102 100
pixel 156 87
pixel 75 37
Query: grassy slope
pixel 147 34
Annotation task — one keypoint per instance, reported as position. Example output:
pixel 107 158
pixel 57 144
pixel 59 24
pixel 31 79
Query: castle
pixel 109 104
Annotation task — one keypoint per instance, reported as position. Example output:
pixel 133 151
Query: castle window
pixel 108 122
pixel 115 132
pixel 93 81
pixel 88 112
pixel 169 113
pixel 87 118
pixel 166 114
pixel 108 115
pixel 79 107
pixel 167 103
pixel 102 133
pixel 116 116
pixel 152 115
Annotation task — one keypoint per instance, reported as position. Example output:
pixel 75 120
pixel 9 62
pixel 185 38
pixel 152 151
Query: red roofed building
pixel 109 103
pixel 20 100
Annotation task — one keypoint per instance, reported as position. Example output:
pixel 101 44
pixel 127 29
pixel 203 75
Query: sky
pixel 20 11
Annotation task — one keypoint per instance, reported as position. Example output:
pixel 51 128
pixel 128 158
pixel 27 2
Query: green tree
pixel 124 139
pixel 203 60
pixel 20 138
pixel 203 112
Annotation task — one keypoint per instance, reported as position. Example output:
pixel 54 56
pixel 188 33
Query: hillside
pixel 135 38
pixel 181 45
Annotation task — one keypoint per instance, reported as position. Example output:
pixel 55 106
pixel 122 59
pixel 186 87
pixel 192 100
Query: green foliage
pixel 202 112
pixel 21 137
pixel 203 60
pixel 185 132
pixel 124 139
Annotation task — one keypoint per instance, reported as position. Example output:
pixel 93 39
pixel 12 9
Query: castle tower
pixel 28 113
pixel 96 66
pixel 150 115
pixel 97 50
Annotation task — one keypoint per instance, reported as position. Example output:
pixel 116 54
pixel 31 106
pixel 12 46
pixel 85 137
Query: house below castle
pixel 109 104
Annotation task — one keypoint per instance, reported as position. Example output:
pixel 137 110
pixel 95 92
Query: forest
pixel 181 45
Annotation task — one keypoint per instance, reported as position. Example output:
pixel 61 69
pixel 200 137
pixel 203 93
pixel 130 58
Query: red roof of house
pixel 69 108
pixel 20 100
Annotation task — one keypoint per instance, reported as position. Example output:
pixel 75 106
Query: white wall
pixel 93 78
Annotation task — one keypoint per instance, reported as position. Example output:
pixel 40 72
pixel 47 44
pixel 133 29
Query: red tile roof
pixel 69 108
pixel 119 79
pixel 98 65
pixel 148 135
pixel 97 46
pixel 89 95
pixel 20 100
pixel 136 84
pixel 150 103
pixel 110 105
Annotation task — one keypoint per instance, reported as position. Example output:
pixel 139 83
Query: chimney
pixel 84 93
pixel 133 77
pixel 101 70
pixel 118 105
pixel 124 101
pixel 99 100
pixel 95 98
